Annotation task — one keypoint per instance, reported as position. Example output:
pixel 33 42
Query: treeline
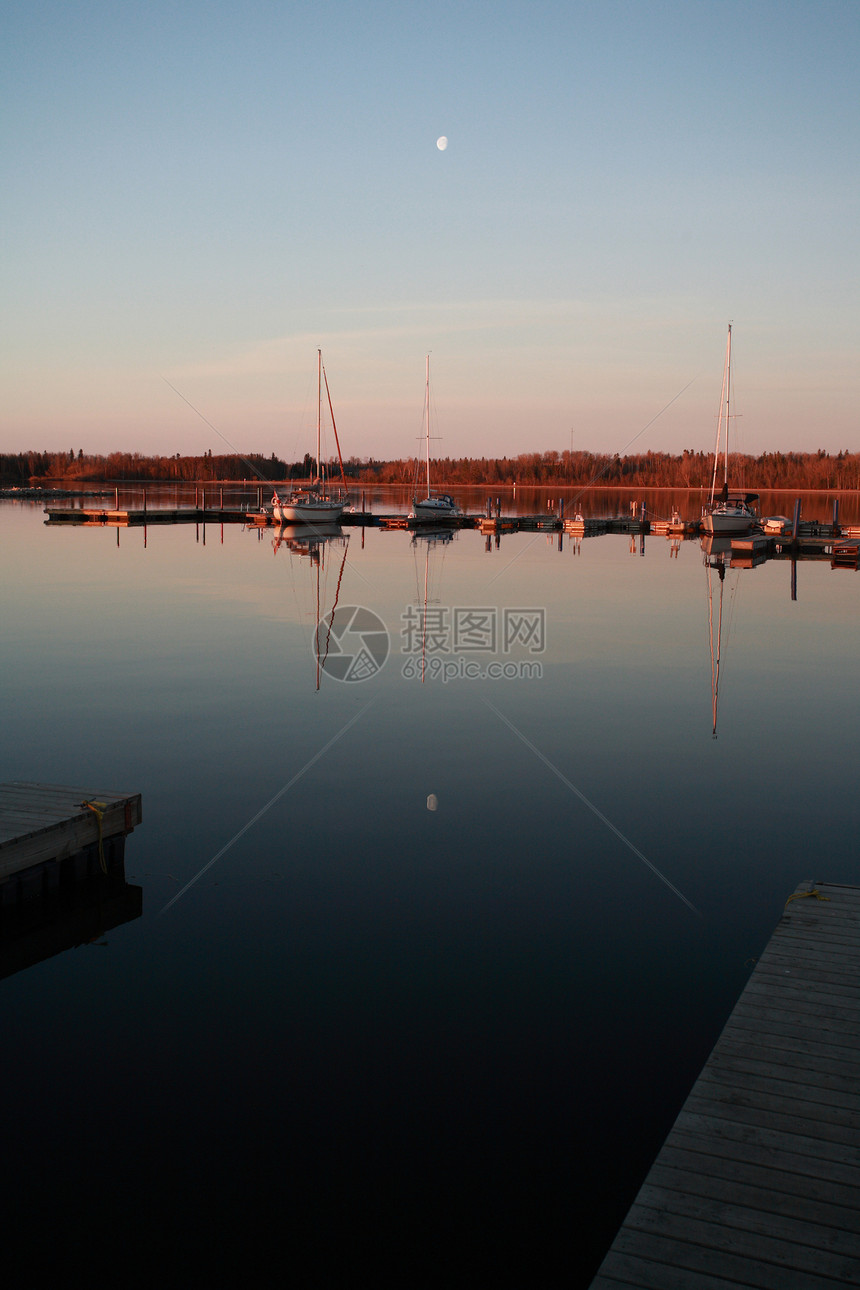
pixel 644 470
pixel 799 470
pixel 28 467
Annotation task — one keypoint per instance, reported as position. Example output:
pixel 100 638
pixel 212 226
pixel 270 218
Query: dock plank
pixel 819 1096
pixel 40 822
pixel 823 1249
pixel 758 1182
pixel 770 1190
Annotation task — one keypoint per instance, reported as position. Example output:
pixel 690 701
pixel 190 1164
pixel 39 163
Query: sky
pixel 198 195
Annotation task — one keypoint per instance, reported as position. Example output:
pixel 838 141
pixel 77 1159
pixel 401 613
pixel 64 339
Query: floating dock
pixel 758 1183
pixel 810 541
pixel 102 515
pixel 49 831
pixel 547 522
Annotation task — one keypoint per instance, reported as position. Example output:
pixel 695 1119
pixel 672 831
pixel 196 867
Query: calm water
pixel 375 1039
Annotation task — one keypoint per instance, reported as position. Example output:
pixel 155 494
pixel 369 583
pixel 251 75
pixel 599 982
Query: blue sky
pixel 206 192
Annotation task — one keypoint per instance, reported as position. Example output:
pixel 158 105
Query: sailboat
pixel 727 512
pixel 435 506
pixel 313 505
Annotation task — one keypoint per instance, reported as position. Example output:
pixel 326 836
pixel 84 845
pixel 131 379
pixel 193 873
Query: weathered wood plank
pixel 758 1183
pixel 797 1108
pixel 798 1049
pixel 807 1005
pixel 786 1023
pixel 736 1218
pixel 823 977
pixel 719 1246
pixel 801 1156
pixel 818 1094
pixel 56 823
pixel 807 939
pixel 798 979
pixel 738 1267
pixel 622 1271
pixel 809 1074
pixel 829 1141
pixel 777 1174
pixel 769 1190
pixel 786 959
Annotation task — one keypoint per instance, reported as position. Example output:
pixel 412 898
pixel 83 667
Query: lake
pixel 444 903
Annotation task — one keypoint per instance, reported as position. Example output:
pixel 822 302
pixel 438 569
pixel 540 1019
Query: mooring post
pixel 144 501
pixel 795 526
pixel 835 516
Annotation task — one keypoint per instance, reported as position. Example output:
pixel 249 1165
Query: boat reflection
pixel 308 539
pixel 717 555
pixel 433 540
pixel 314 542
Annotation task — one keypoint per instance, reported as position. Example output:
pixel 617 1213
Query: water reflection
pixel 717 552
pixel 435 541
pixel 316 543
pixel 411 1006
pixel 81 913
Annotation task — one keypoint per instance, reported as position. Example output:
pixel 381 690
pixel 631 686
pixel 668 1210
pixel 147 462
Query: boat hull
pixel 435 509
pixel 304 514
pixel 306 510
pixel 719 522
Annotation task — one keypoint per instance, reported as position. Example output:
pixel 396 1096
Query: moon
pixel 442 143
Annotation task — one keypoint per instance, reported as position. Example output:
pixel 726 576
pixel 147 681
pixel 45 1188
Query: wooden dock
pixel 549 522
pixel 758 1183
pixel 44 825
pixel 102 516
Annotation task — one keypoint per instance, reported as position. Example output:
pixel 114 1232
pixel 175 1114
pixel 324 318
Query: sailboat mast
pixel 724 402
pixel 427 401
pixel 728 383
pixel 319 408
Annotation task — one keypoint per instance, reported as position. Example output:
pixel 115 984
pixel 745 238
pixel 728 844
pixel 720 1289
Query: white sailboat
pixel 435 506
pixel 727 512
pixel 313 504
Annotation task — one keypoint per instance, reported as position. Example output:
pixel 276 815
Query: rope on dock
pixel 798 895
pixel 98 809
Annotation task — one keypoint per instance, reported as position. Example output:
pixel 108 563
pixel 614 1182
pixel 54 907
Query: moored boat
pixel 435 507
pixel 313 504
pixel 727 512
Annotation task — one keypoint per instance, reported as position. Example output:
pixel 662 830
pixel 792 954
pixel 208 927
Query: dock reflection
pixel 81 913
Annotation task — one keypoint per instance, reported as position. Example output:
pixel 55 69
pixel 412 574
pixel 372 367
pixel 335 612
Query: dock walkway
pixel 758 1183
pixel 49 823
